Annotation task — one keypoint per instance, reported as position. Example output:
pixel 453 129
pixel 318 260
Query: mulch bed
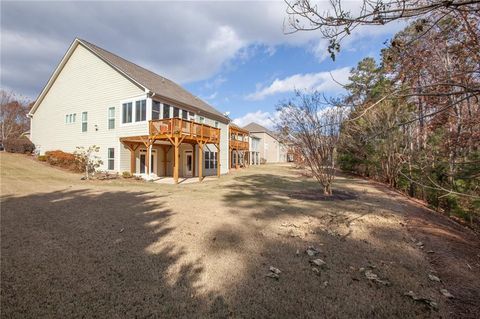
pixel 317 195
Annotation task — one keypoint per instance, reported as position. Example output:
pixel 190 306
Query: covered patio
pixel 172 134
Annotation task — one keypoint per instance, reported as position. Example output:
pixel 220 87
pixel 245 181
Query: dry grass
pixel 74 248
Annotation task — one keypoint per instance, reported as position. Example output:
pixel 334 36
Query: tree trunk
pixel 327 190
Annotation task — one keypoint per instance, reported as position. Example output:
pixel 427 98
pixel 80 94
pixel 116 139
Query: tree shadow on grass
pixel 80 253
pixel 276 226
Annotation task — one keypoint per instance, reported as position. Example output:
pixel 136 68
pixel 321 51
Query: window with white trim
pixel 127 112
pixel 184 115
pixel 210 160
pixel 207 160
pixel 176 112
pixel 84 121
pixel 155 110
pixel 70 118
pixel 201 119
pixel 111 118
pixel 111 159
pixel 140 111
pixel 216 124
pixel 166 111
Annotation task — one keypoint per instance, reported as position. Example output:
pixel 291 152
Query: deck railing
pixel 239 145
pixel 181 127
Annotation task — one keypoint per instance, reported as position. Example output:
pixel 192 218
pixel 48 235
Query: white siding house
pixel 97 98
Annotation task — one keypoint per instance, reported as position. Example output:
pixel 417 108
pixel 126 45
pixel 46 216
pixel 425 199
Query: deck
pixel 176 131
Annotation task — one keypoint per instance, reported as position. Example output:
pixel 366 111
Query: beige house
pixel 143 123
pixel 266 144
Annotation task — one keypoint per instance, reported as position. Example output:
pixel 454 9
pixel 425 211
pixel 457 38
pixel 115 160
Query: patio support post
pixel 175 161
pixel 218 159
pixel 165 153
pixel 193 160
pixel 132 161
pixel 200 161
pixel 147 160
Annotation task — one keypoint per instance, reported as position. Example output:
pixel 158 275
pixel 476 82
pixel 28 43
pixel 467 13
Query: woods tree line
pixel 410 120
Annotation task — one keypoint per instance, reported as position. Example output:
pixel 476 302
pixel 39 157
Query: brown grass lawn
pixel 72 248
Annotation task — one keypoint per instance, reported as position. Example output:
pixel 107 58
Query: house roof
pixel 157 84
pixel 257 128
pixel 238 128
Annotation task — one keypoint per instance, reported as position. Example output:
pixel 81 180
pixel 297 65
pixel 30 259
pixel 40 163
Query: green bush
pixel 42 158
pixel 126 174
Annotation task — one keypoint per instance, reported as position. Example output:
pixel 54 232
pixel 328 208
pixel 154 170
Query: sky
pixel 234 55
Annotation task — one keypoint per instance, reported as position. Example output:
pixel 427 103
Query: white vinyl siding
pixel 86 84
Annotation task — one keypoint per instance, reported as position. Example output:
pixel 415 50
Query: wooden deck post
pixel 147 161
pixel 175 161
pixel 237 159
pixel 193 160
pixel 218 159
pixel 200 161
pixel 165 152
pixel 132 160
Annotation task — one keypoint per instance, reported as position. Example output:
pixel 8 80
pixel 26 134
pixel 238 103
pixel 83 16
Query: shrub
pixel 19 145
pixel 62 159
pixel 263 161
pixel 126 174
pixel 42 158
pixel 86 158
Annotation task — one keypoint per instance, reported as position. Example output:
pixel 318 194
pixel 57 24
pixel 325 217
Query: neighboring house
pixel 239 146
pixel 269 147
pixel 254 157
pixel 143 123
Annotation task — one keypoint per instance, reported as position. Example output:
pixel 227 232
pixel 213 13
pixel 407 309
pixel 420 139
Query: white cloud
pixel 185 41
pixel 265 119
pixel 321 81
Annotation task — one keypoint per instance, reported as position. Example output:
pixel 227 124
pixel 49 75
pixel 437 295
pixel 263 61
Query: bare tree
pixel 312 128
pixel 13 115
pixel 336 22
pixel 87 159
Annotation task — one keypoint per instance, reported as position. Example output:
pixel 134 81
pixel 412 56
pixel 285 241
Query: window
pixel 127 112
pixel 207 159
pixel 84 121
pixel 191 116
pixel 70 118
pixel 201 119
pixel 140 110
pixel 111 159
pixel 166 111
pixel 155 110
pixel 111 118
pixel 210 160
pixel 216 123
pixel 184 115
pixel 176 112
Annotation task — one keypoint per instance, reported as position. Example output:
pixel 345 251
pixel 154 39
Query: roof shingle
pixel 154 82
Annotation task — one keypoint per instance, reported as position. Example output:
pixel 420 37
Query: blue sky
pixel 235 55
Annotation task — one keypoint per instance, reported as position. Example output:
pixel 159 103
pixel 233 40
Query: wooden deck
pixel 238 145
pixel 176 131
